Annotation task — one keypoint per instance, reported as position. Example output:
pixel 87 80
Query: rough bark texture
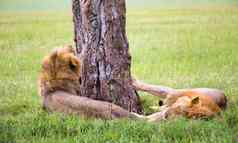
pixel 102 45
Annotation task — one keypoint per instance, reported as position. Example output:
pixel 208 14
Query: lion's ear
pixel 49 60
pixel 70 49
pixel 53 55
pixel 195 100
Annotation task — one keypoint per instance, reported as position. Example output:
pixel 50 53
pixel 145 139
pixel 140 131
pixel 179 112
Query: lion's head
pixel 193 106
pixel 60 71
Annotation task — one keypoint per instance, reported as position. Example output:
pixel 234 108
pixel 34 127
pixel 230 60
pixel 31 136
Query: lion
pixel 218 96
pixel 189 105
pixel 59 86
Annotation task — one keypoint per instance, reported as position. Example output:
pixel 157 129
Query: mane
pixel 49 86
pixel 57 75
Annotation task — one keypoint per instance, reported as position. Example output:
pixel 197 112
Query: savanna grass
pixel 181 48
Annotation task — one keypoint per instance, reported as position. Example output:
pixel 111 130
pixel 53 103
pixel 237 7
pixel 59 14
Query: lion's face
pixel 61 64
pixel 60 71
pixel 194 106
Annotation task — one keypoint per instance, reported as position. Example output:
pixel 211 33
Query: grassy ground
pixel 178 48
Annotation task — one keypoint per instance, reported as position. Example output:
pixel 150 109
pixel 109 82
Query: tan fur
pixel 188 104
pixel 59 85
pixel 60 71
pixel 216 95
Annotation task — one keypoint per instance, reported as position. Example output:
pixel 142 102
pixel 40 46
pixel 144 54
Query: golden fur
pixel 59 86
pixel 188 104
pixel 218 96
pixel 60 71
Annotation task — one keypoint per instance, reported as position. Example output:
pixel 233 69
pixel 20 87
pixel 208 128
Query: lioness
pixel 164 92
pixel 189 104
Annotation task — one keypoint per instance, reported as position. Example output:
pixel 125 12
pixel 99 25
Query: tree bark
pixel 102 46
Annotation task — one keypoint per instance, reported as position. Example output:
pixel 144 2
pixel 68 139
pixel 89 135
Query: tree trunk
pixel 102 45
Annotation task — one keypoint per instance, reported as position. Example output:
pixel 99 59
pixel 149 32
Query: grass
pixel 180 48
pixel 38 5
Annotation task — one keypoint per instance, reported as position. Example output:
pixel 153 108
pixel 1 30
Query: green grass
pixel 59 5
pixel 181 48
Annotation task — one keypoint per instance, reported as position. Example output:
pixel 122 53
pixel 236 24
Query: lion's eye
pixel 72 66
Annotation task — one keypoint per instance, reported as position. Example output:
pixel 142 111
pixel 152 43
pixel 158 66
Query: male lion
pixel 59 85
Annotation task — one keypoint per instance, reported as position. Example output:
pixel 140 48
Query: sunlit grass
pixel 179 48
